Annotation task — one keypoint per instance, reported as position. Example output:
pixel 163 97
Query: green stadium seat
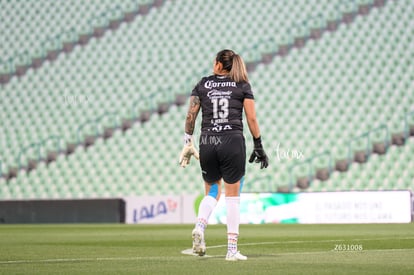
pixel 315 99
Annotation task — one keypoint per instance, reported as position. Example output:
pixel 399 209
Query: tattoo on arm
pixel 192 114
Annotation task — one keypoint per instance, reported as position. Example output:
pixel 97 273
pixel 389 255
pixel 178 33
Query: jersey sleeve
pixel 194 92
pixel 247 91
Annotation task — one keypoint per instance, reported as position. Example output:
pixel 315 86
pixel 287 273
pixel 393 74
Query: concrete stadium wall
pixel 62 211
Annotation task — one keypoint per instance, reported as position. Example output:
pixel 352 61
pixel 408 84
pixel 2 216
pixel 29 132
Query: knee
pixel 233 189
pixel 214 191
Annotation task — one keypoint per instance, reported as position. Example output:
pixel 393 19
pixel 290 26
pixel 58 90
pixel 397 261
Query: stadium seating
pixel 40 24
pixel 46 27
pixel 314 100
pixel 392 171
pixel 112 75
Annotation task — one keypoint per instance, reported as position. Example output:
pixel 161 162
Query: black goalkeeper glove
pixel 258 154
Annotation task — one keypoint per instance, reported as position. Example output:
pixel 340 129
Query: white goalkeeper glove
pixel 188 151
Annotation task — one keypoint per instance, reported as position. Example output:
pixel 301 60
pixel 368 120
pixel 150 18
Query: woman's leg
pixel 212 195
pixel 233 219
pixel 207 205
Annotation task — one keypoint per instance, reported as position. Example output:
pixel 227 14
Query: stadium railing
pixel 360 156
pixel 150 99
pixel 49 48
pixel 409 126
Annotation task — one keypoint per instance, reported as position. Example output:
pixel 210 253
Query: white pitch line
pixel 345 251
pixel 309 241
pixel 186 252
pixel 276 242
pixel 63 260
pixel 190 252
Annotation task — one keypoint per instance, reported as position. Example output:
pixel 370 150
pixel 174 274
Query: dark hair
pixel 234 64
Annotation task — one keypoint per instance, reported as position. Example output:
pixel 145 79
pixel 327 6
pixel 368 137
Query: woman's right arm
pixel 258 154
pixel 250 111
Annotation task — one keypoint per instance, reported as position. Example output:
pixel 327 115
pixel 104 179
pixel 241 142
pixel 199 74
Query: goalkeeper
pixel 222 98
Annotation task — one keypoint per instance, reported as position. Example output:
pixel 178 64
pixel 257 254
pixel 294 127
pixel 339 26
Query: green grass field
pixel 157 249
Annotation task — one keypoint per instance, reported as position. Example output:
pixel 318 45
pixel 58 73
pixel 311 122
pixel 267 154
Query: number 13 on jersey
pixel 223 105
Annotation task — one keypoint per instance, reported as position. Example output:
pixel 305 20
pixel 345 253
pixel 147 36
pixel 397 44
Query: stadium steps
pixel 108 20
pixel 106 131
pixel 108 139
pixel 354 154
pixel 393 170
pixel 362 9
pixel 374 141
pixel 329 174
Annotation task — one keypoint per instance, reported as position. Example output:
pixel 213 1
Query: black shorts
pixel 222 156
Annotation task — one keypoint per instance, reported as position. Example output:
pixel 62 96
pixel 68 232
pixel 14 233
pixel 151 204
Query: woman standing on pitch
pixel 222 98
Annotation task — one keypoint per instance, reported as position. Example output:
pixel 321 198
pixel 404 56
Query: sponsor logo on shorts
pixel 210 140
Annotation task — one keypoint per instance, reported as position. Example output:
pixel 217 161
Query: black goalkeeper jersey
pixel 221 103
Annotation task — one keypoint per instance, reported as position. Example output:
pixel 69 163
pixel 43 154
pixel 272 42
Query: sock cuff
pixel 206 207
pixel 233 199
pixel 232 236
pixel 210 200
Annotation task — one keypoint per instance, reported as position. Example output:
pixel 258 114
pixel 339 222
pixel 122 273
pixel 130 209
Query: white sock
pixel 204 211
pixel 233 221
pixel 233 214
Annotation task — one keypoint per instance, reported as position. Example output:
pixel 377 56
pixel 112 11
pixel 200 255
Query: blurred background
pixel 93 94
